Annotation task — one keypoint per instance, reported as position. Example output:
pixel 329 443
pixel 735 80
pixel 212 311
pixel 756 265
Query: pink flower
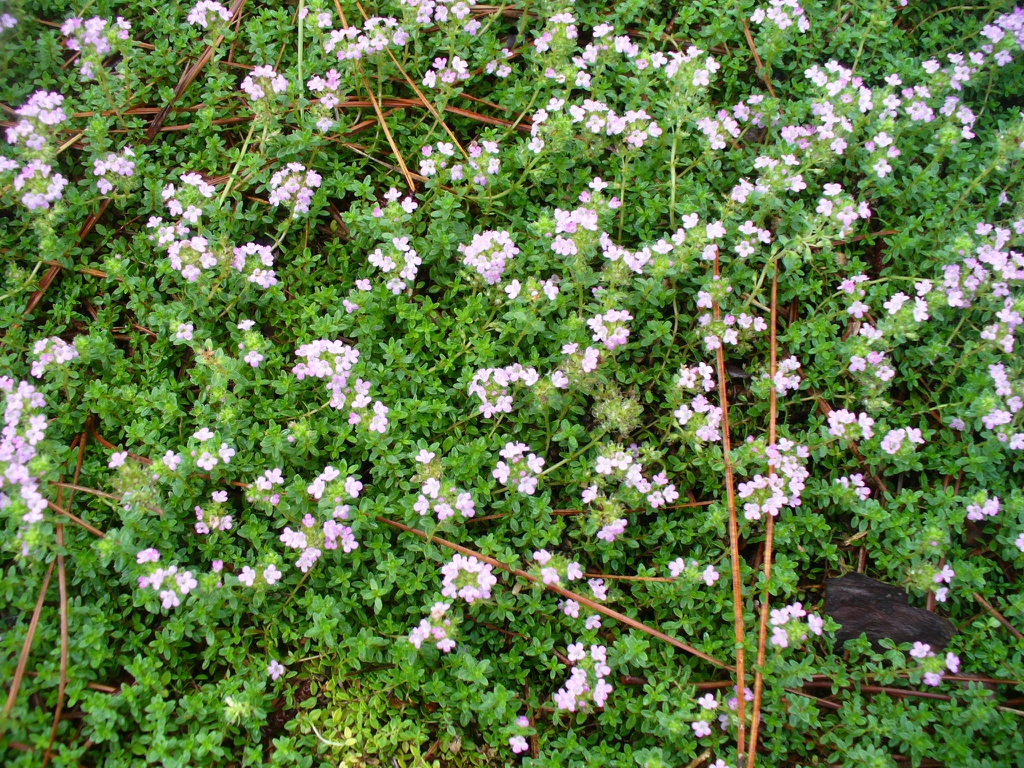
pixel 271 574
pixel 275 670
pixel 921 650
pixel 708 701
pixel 701 728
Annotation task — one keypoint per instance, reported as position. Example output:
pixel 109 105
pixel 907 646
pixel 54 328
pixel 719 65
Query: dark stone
pixel 880 610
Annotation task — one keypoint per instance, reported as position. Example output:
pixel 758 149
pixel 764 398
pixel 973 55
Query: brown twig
pixel 389 137
pixel 522 127
pixel 62 685
pixel 19 672
pixel 594 606
pixel 76 520
pixel 419 94
pixel 54 270
pixel 189 76
pixel 762 635
pixel 734 543
pixel 98 686
pixel 760 66
pixel 998 616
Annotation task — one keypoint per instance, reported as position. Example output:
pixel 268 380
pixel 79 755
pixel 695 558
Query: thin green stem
pixel 575 455
pixel 238 165
pixel 302 26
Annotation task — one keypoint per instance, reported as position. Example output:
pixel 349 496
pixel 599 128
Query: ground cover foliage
pixel 369 371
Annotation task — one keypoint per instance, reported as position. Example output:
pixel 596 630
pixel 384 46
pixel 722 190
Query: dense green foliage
pixel 183 680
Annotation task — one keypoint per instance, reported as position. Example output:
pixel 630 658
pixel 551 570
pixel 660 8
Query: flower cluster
pixel 332 494
pixel 498 67
pixel 638 260
pixel 731 329
pixel 491 385
pixel 111 166
pixel 569 607
pixel 439 12
pixel 213 518
pixel 38 119
pixel 263 80
pixel 691 571
pixel 714 129
pixel 437 629
pixel 93 40
pixel 587 683
pixel 1001 413
pixel 901 440
pixel 169 584
pixel 37 184
pixel 467 578
pixel 518 742
pixel 252 258
pixel 982 506
pixel 690 69
pixel 563 24
pixel 856 484
pixel 533 289
pixel 783 14
pixel 51 351
pixel 791 624
pixel 191 254
pixel 702 727
pixel 377 33
pixel 611 327
pixel 262 488
pixel 206 11
pixel 581 225
pixel 870 367
pixel 335 360
pixel 616 466
pixel 934 667
pixel 850 426
pixel 837 207
pixel 253 577
pixel 439 496
pixel 579 362
pixel 23 429
pixel 446 74
pixel 699 419
pixel 762 496
pixel 521 470
pixel 927 576
pixel 785 483
pixel 393 209
pixel 399 252
pixel 555 568
pixel 210 456
pixel 635 126
pixel 328 88
pixel 482 163
pixel 786 379
pixel 776 174
pixel 293 186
